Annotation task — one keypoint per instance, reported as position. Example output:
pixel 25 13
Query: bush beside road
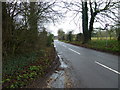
pixel 27 68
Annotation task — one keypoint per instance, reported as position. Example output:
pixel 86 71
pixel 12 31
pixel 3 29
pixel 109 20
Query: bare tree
pixel 97 10
pixel 21 22
pixel 108 9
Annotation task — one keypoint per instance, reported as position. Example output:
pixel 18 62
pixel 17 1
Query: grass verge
pixel 110 46
pixel 18 71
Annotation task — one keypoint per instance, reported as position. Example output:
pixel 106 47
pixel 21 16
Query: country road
pixel 89 68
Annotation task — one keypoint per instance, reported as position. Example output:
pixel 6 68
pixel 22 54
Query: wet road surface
pixel 60 78
pixel 86 68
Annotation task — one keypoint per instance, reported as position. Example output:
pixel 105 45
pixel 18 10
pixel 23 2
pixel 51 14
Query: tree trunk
pixel 91 25
pixel 33 24
pixel 118 37
pixel 85 21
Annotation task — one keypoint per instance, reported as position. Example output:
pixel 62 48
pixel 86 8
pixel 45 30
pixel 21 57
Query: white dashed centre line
pixel 107 67
pixel 63 45
pixel 74 51
pixel 71 49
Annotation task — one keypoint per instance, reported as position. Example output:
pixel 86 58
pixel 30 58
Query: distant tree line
pixel 111 33
pixel 69 36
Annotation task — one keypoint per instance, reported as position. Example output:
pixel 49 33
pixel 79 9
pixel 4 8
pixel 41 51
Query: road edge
pixel 96 49
pixel 40 82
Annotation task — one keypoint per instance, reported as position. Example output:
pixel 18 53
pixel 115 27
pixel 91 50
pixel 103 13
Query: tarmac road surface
pixel 89 68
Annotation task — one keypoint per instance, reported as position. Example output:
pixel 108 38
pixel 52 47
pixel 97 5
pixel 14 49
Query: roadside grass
pixel 111 46
pixel 18 71
pixel 105 45
pixel 16 63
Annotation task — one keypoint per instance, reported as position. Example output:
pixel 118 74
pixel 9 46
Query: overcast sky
pixel 68 23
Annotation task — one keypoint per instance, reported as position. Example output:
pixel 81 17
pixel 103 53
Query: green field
pixel 103 38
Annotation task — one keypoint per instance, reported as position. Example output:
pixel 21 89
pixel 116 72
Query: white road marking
pixel 70 49
pixel 107 67
pixel 63 45
pixel 74 51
